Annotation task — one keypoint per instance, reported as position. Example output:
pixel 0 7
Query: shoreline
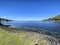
pixel 46 32
pixel 32 36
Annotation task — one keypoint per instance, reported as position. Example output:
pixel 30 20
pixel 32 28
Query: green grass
pixel 7 38
pixel 11 39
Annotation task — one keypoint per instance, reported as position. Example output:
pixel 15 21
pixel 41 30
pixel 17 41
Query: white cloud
pixel 3 17
pixel 20 18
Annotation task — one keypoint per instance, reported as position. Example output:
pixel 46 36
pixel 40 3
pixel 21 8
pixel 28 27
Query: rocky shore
pixel 33 37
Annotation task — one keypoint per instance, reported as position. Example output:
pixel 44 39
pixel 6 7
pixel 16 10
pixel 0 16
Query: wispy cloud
pixel 11 17
pixel 17 18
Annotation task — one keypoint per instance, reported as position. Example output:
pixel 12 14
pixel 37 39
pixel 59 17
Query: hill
pixel 56 18
pixel 2 19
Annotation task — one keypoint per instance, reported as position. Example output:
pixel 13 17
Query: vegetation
pixel 23 38
pixel 56 18
pixel 11 39
pixel 11 36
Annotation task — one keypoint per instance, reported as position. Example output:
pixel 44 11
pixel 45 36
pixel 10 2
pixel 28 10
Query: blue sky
pixel 29 9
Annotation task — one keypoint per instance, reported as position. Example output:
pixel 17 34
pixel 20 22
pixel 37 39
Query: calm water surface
pixel 50 26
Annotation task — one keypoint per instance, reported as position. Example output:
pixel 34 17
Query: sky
pixel 29 9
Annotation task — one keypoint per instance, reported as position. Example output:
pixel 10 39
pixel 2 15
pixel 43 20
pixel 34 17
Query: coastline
pixel 32 36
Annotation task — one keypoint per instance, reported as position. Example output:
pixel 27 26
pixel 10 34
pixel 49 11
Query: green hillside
pixel 55 18
pixel 11 39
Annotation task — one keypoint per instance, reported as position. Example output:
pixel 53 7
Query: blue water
pixel 49 26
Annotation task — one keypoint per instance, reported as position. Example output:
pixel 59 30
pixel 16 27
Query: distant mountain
pixel 2 19
pixel 56 18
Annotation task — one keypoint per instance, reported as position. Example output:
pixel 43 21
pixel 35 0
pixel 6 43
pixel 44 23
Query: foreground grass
pixel 11 39
pixel 25 38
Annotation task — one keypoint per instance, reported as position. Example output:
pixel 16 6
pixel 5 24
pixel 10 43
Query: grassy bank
pixel 9 36
pixel 23 38
pixel 11 39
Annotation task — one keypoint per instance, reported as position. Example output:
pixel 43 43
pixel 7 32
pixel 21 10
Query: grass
pixel 11 39
pixel 20 39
